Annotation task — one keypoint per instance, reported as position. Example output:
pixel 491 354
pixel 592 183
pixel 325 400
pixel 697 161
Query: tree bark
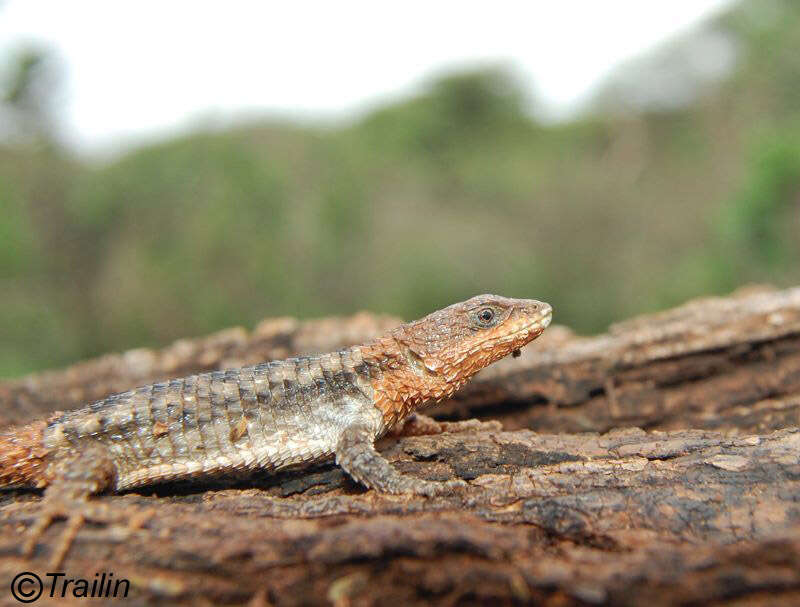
pixel 703 507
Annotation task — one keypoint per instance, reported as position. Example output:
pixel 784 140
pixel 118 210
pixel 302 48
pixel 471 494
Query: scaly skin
pixel 272 415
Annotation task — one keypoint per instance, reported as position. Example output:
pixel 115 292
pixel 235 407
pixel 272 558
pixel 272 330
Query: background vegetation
pixel 460 190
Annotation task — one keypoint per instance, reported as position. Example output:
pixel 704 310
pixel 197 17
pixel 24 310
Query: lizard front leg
pixel 356 454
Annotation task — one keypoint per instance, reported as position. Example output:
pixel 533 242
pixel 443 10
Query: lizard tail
pixel 22 456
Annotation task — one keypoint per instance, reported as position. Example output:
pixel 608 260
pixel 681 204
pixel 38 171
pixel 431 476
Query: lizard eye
pixel 486 316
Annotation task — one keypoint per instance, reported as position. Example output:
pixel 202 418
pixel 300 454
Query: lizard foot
pixel 356 454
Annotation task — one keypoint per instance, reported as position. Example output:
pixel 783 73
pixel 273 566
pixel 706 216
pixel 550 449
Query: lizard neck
pixel 403 382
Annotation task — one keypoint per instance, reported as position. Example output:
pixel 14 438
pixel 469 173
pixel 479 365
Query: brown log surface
pixel 568 505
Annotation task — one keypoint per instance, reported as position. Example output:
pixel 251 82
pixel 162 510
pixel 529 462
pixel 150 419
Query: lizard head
pixel 460 340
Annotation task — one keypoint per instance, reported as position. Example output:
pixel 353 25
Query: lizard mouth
pixel 540 324
pixel 531 330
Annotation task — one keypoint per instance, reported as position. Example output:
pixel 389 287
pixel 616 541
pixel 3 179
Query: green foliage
pixel 17 247
pixel 457 111
pixel 758 229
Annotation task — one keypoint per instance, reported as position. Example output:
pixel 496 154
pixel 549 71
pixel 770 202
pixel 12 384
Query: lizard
pixel 269 416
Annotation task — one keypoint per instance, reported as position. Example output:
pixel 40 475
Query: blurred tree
pixel 36 276
pixel 759 228
pixel 27 93
pixel 454 111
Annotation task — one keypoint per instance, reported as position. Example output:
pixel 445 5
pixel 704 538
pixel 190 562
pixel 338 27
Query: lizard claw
pixel 47 517
pixel 76 514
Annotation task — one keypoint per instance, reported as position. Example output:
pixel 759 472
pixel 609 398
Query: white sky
pixel 136 69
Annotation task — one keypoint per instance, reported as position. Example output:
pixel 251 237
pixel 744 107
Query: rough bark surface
pixel 568 505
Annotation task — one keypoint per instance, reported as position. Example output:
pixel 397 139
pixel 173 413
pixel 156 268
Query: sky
pixel 139 70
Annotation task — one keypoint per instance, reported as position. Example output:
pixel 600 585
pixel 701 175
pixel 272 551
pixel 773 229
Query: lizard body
pixel 273 415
